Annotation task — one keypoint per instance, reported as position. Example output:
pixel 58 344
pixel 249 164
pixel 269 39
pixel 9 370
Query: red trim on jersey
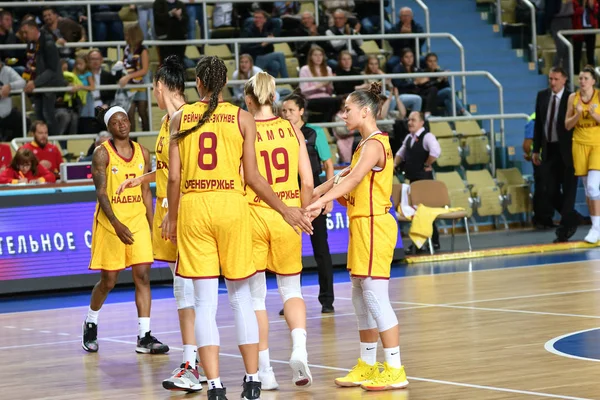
pixel 277 273
pixel 268 119
pixel 294 130
pixel 241 279
pixel 143 263
pixel 384 157
pixel 371 222
pixel 120 156
pixel 239 123
pixel 167 261
pixel 588 102
pixel 362 144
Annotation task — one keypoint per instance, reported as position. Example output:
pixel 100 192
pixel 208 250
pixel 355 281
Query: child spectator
pixel 25 168
pixel 88 85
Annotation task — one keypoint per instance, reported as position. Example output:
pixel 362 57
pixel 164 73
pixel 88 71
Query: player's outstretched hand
pixel 123 232
pixel 129 183
pixel 297 218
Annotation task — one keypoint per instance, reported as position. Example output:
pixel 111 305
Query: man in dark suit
pixel 552 154
pixel 43 69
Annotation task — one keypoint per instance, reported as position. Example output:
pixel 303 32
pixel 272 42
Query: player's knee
pixel 289 287
pixel 108 282
pixel 372 303
pixel 258 291
pixel 184 297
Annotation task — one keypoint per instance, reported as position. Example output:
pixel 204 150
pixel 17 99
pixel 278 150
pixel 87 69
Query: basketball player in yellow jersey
pixel 169 88
pixel 373 233
pixel 121 230
pixel 281 156
pixel 209 217
pixel 583 114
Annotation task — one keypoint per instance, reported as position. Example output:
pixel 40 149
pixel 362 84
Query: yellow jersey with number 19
pixel 372 195
pixel 211 156
pixel 162 158
pixel 277 156
pixel 129 206
pixel 587 130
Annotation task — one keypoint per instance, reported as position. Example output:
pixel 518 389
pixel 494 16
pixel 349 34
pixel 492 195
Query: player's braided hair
pixel 212 72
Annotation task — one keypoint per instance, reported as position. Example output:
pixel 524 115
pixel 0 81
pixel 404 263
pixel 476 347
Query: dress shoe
pixel 327 309
pixel 281 312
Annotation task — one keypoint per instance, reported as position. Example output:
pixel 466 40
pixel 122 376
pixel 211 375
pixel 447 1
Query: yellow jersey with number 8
pixel 373 193
pixel 129 206
pixel 162 158
pixel 211 156
pixel 587 129
pixel 277 156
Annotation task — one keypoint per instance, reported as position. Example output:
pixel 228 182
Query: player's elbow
pixel 307 184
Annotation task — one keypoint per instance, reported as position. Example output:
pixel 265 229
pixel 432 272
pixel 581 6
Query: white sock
pixel 299 339
pixel 368 352
pixel 252 377
pixel 264 361
pixel 189 354
pixel 392 357
pixel 215 383
pixel 92 316
pixel 143 326
pixel 595 222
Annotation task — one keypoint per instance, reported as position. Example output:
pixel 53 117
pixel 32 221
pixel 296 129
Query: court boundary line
pixel 428 380
pixel 549 346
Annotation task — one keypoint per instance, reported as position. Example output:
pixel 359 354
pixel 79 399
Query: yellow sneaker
pixel 390 378
pixel 360 373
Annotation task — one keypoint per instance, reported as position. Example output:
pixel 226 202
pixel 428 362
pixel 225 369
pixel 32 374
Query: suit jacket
pixel 565 137
pixel 47 63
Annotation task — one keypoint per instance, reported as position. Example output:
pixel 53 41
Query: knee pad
pixel 363 316
pixel 382 313
pixel 289 287
pixel 206 299
pixel 258 290
pixel 240 299
pixel 183 289
pixel 592 185
pixel 372 303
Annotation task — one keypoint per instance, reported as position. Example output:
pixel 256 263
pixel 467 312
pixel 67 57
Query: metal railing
pixel 491 118
pixel 148 87
pixel 567 42
pixel 427 24
pixel 533 27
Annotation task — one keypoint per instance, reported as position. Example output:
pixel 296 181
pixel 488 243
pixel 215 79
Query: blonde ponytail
pixel 262 88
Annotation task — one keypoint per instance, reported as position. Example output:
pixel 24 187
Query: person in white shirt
pixel 11 123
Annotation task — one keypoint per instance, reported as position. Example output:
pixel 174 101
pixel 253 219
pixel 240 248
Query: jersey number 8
pixel 207 154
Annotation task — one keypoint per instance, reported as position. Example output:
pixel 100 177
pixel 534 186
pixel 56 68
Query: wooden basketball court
pixel 469 335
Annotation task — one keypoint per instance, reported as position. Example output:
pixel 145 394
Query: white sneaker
pixel 300 370
pixel 201 373
pixel 593 236
pixel 267 379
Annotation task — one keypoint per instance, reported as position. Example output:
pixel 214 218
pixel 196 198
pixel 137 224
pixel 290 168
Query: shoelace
pixel 182 371
pixel 384 376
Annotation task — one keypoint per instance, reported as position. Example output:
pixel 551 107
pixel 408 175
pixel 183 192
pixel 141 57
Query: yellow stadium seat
pixel 370 47
pixel 477 150
pixel 284 48
pixel 441 129
pixel 458 192
pixel 489 198
pixel 220 50
pixel 192 53
pixel 112 54
pixel 451 152
pixel 149 142
pixel 516 191
pixel 468 128
pixel 292 67
pixel 231 67
pixel 191 94
pixel 77 146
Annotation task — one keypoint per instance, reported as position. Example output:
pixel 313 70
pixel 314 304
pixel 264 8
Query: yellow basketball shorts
pixel 275 244
pixel 164 250
pixel 214 236
pixel 585 158
pixel 371 246
pixel 110 254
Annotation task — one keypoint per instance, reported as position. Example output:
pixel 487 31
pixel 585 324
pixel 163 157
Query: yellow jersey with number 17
pixel 211 156
pixel 372 195
pixel 129 206
pixel 587 130
pixel 277 156
pixel 162 158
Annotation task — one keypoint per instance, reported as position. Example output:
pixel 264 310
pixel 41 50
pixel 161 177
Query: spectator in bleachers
pixel 369 12
pixel 419 86
pixel 406 25
pixel 42 69
pixel 63 30
pixel 559 13
pixel 194 13
pixel 419 151
pixel 88 85
pixel 331 6
pixel 11 124
pixel 145 14
pixel 246 70
pixel 264 53
pixel 25 168
pixel 102 98
pixel 171 23
pixel 585 16
pixel 5 156
pixel 345 68
pixel 310 28
pixel 411 101
pixel 444 91
pixel 318 94
pixel 137 64
pixel 68 104
pixel 48 154
pixel 7 36
pixel 106 24
pixel 342 27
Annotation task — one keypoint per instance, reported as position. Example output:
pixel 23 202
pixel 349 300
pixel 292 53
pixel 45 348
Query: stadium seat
pixel 451 152
pixel 468 128
pixel 441 129
pixel 191 94
pixel 192 53
pixel 435 194
pixel 220 50
pixel 458 192
pixel 489 199
pixel 112 54
pixel 149 142
pixel 476 150
pixel 307 6
pixel 283 48
pixel 516 191
pixel 77 146
pixel 293 67
pixel 231 67
pixel 370 47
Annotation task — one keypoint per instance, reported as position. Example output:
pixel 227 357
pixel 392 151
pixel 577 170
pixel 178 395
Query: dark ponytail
pixel 297 97
pixel 172 74
pixel 212 72
pixel 368 98
pixel 100 112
